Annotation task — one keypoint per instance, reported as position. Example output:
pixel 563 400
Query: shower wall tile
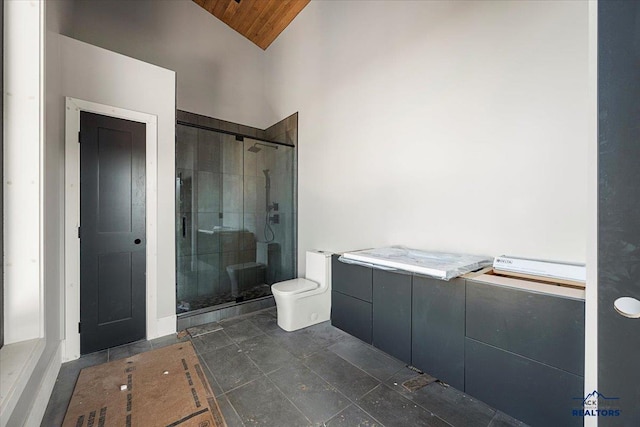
pixel 209 122
pixel 187 278
pixel 251 131
pixel 186 138
pixel 261 223
pixel 261 194
pixel 250 194
pixel 230 241
pixel 229 126
pixel 208 220
pixel 249 223
pixel 246 256
pixel 227 259
pixel 208 282
pixel 232 220
pixel 208 262
pixel 248 241
pixel 209 158
pixel 208 274
pixel 185 116
pixel 208 243
pixel 232 159
pixel 266 160
pixel 232 193
pixel 209 187
pixel 224 283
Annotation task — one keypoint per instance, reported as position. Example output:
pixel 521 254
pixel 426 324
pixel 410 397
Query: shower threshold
pixel 207 315
pixel 216 302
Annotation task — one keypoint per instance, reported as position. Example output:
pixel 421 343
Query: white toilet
pixel 305 302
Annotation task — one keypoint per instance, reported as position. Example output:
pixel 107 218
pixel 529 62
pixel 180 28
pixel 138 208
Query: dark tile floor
pixel 318 376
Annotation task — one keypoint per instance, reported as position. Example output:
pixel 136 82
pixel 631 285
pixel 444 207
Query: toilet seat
pixel 294 286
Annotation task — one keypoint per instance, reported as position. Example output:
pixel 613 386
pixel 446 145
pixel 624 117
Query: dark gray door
pixel 112 233
pixel 618 209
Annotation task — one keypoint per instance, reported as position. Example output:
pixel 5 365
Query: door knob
pixel 137 241
pixel 628 307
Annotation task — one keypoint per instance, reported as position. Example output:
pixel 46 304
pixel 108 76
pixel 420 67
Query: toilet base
pixel 295 314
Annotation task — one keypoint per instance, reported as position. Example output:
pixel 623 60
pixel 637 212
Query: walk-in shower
pixel 235 217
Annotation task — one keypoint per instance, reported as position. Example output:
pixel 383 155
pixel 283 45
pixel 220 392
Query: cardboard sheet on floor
pixel 164 387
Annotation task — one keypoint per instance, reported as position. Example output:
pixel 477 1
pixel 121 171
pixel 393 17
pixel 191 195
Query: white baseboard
pixel 165 326
pixel 46 388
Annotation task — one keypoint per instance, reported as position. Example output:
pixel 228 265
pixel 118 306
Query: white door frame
pixel 71 343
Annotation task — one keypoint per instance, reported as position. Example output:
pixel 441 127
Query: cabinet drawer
pixel 535 393
pixel 350 279
pixel 544 328
pixel 392 313
pixel 351 315
pixel 438 328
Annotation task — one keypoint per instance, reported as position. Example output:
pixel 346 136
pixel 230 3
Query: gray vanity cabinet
pixel 392 313
pixel 538 394
pixel 525 353
pixel 351 296
pixel 545 328
pixel 438 328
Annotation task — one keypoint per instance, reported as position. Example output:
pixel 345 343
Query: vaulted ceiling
pixel 261 21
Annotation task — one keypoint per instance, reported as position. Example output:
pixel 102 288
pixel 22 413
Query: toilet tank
pixel 318 265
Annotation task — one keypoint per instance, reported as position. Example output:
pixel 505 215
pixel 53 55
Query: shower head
pixel 254 148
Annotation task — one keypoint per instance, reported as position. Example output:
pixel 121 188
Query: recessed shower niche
pixel 235 217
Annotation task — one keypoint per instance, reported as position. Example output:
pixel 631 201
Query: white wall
pixel 219 72
pixel 22 145
pixel 97 75
pixel 439 125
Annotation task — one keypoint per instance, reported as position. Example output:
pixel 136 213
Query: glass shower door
pixel 234 218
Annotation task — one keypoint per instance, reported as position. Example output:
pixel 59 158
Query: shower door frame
pixel 294 204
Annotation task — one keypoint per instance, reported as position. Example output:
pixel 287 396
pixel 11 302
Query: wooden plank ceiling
pixel 261 21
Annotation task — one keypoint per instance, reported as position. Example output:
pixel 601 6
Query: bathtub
pixel 441 265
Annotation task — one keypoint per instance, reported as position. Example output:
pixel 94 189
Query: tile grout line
pixel 364 410
pixel 290 401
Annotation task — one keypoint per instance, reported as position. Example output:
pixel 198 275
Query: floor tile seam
pixel 421 406
pixel 318 373
pixel 235 411
pixel 367 412
pixel 416 403
pixel 354 400
pixel 212 376
pixel 258 326
pixel 358 367
pixel 225 393
pixel 290 401
pixel 340 411
pixel 252 361
pixel 203 361
pixel 248 338
pixel 200 353
pixel 362 369
pixel 328 383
